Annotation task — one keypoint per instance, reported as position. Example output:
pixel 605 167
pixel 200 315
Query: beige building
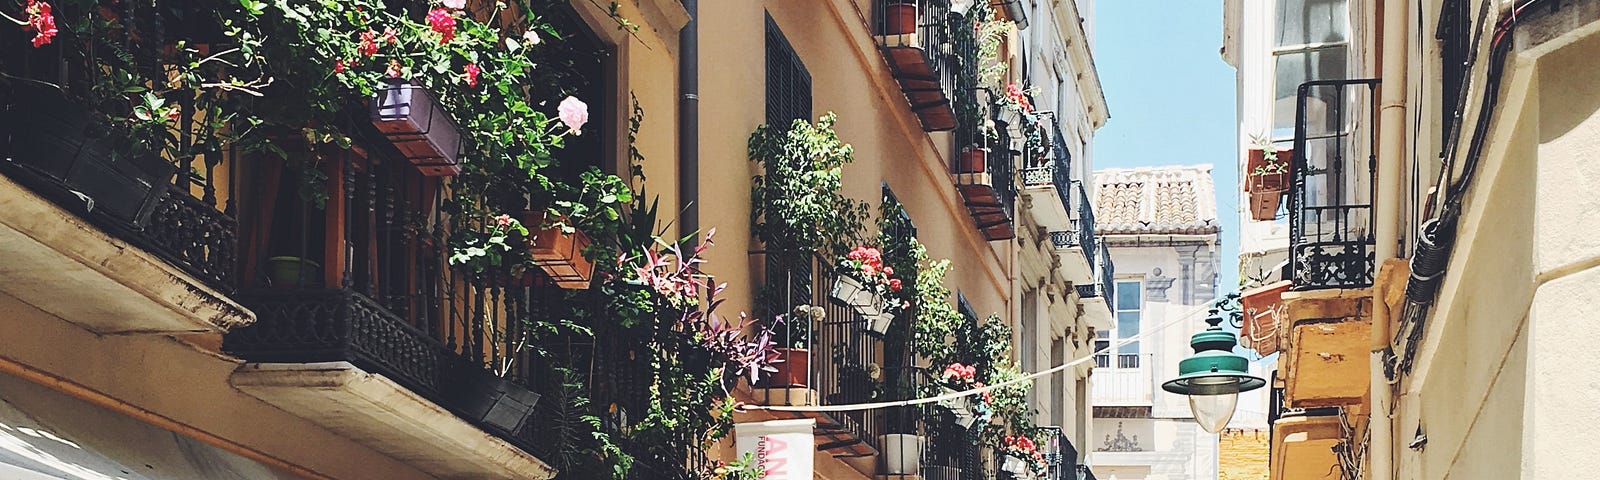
pixel 243 329
pixel 1421 280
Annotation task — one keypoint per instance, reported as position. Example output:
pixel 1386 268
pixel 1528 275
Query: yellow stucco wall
pixel 1243 454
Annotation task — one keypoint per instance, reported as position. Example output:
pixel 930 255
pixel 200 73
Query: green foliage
pixel 797 203
pixel 937 322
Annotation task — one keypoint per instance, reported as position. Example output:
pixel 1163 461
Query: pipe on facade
pixel 1391 162
pixel 102 400
pixel 689 121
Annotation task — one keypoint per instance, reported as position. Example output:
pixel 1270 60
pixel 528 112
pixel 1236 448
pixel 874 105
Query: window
pixel 1312 42
pixel 788 82
pixel 1128 317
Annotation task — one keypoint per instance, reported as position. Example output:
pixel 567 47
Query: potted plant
pixel 793 368
pixel 900 18
pixel 419 127
pixel 969 410
pixel 1023 459
pixel 973 159
pixel 560 236
pixel 292 272
pixel 1267 165
pixel 902 453
pixel 487 247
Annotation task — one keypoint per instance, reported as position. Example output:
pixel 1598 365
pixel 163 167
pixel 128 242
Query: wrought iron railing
pixel 839 353
pixel 1059 454
pixel 1105 284
pixel 1054 169
pixel 1331 230
pixel 912 37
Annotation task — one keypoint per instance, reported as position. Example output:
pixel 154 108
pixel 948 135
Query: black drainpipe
pixel 689 121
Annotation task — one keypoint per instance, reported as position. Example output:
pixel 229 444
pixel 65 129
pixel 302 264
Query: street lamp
pixel 1214 376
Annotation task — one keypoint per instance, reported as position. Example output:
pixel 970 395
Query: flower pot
pixel 419 127
pixel 59 143
pixel 851 292
pixel 1015 465
pixel 1268 182
pixel 1012 116
pixel 293 272
pixel 793 370
pixel 488 399
pixel 899 18
pixel 902 453
pixel 1274 181
pixel 973 160
pixel 879 324
pixel 941 472
pixel 558 253
pixel 1264 205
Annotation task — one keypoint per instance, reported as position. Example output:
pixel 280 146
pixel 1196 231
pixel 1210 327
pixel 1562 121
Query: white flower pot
pixel 1016 466
pixel 853 293
pixel 879 323
pixel 1012 116
pixel 902 453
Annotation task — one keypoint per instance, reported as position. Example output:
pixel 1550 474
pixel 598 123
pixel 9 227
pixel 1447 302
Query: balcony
pixel 1047 182
pixel 984 170
pixel 1331 230
pixel 829 360
pixel 1060 454
pixel 1122 380
pixel 1099 298
pixel 1075 247
pixel 911 35
pixel 113 242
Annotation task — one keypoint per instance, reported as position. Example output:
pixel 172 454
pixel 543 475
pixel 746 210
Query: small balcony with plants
pixel 1075 246
pixel 1046 167
pixel 982 164
pixel 913 39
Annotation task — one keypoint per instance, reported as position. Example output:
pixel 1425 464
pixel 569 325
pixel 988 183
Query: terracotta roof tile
pixel 1158 200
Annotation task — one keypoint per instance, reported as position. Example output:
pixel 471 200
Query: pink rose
pixel 574 113
pixel 454 4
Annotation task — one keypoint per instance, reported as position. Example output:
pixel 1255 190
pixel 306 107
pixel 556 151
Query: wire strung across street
pixel 851 407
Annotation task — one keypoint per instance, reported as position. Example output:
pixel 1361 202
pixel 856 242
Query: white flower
pixel 574 113
pixel 530 37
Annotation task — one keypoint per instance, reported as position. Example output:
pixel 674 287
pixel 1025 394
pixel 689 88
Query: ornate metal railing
pixel 839 353
pixel 911 35
pixel 1059 453
pixel 1053 170
pixel 1331 230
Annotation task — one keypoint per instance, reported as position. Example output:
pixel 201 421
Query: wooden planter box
pixel 1274 181
pixel 559 254
pixel 1264 204
pixel 419 127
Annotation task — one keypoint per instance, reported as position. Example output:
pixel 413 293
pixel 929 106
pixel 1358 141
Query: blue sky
pixel 1171 98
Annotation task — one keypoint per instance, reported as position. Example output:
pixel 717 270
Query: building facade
pixel 302 312
pixel 1428 253
pixel 1160 228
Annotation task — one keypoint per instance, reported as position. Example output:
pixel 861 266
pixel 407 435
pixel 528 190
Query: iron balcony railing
pixel 169 203
pixel 913 38
pixel 1054 169
pixel 840 357
pixel 1082 233
pixel 1331 230
pixel 1104 285
pixel 1059 453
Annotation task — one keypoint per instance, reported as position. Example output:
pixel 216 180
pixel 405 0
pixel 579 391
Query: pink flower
pixel 40 22
pixel 531 37
pixel 574 113
pixel 888 270
pixel 472 74
pixel 454 4
pixel 389 35
pixel 395 69
pixel 502 220
pixel 894 285
pixel 338 66
pixel 441 21
pixel 368 46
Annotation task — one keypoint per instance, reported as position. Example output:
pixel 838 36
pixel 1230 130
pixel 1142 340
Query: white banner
pixel 783 448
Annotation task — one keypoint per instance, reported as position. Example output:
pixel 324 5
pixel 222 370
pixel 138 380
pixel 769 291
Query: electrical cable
pixel 851 407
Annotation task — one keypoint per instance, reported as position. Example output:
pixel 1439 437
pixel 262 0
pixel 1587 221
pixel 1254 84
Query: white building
pixel 1160 226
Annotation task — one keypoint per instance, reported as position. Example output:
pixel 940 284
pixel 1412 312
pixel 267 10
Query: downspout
pixel 689 122
pixel 1391 162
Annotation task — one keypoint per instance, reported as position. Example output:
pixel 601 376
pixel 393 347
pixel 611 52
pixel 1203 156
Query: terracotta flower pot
pixel 558 253
pixel 973 160
pixel 899 18
pixel 1264 204
pixel 1273 181
pixel 793 370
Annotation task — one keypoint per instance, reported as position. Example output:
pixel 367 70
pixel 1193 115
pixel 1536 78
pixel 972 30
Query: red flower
pixel 441 21
pixel 894 284
pixel 502 220
pixel 389 36
pixel 368 46
pixel 40 21
pixel 394 69
pixel 338 66
pixel 472 74
pixel 888 270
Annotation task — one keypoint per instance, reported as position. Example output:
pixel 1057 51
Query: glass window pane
pixel 1128 295
pixel 1294 69
pixel 1127 324
pixel 1302 22
pixel 1130 348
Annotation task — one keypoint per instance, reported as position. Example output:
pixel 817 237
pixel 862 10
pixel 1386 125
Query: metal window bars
pixel 1331 231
